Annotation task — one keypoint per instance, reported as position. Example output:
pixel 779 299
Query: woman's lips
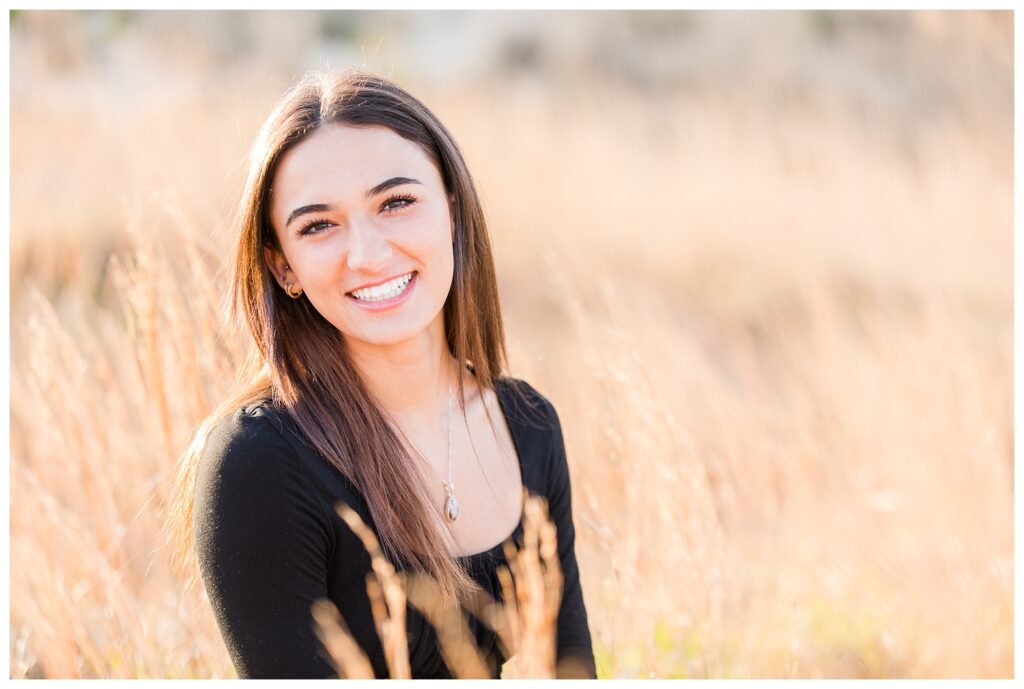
pixel 386 304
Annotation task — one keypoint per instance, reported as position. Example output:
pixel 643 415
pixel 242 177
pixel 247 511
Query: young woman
pixel 363 270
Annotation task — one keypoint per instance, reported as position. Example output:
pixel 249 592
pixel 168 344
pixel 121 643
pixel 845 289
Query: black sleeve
pixel 575 653
pixel 263 543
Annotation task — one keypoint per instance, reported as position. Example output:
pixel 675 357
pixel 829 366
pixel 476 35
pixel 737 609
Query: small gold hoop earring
pixel 294 294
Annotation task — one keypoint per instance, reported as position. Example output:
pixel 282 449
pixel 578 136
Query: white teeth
pixel 388 290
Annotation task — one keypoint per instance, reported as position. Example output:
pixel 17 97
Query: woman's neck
pixel 410 378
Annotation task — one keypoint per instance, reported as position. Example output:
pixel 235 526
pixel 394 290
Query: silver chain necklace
pixel 451 505
pixel 451 508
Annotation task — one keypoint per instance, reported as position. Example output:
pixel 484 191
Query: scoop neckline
pixel 499 391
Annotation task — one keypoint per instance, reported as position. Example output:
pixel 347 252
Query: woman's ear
pixel 277 264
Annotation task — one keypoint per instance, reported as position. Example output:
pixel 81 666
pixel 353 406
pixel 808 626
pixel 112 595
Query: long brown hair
pixel 299 360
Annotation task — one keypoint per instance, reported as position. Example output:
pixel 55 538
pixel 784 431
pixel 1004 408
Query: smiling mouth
pixel 385 291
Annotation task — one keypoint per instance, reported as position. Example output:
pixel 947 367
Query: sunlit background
pixel 760 262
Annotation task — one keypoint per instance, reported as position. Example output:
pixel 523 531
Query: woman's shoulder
pixel 248 445
pixel 535 423
pixel 245 426
pixel 254 499
pixel 526 407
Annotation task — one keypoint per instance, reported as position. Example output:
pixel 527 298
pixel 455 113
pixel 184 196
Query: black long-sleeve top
pixel 269 543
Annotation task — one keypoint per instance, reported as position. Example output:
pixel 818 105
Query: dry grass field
pixel 779 338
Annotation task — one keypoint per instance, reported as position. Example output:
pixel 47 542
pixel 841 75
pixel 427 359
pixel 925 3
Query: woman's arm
pixel 575 656
pixel 263 543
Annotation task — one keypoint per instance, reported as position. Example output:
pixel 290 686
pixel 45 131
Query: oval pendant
pixel 452 508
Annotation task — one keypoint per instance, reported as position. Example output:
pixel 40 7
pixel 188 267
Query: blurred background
pixel 761 262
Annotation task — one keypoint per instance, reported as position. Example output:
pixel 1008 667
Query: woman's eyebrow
pixel 388 183
pixel 302 210
pixel 320 207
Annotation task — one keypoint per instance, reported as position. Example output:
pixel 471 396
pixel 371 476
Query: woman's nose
pixel 368 250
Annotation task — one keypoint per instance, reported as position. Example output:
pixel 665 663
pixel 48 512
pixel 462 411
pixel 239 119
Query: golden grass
pixel 387 599
pixel 782 358
pixel 525 622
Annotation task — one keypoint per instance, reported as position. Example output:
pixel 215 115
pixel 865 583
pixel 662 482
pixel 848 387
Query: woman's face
pixel 364 223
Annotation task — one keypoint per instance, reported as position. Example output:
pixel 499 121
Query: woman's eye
pixel 397 202
pixel 314 227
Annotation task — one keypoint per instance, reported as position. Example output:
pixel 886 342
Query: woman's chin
pixel 388 335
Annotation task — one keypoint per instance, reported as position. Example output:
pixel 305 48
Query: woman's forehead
pixel 343 162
